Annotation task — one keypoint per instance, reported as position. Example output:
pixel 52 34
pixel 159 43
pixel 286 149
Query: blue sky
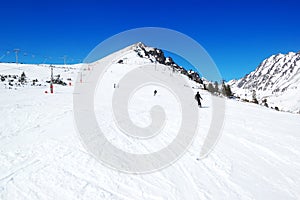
pixel 237 34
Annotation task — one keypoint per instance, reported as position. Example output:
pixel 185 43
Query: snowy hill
pixel 35 75
pixel 42 156
pixel 276 79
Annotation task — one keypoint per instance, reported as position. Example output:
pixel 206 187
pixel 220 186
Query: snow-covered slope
pixel 42 157
pixel 276 79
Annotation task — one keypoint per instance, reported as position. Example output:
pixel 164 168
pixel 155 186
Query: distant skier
pixel 155 92
pixel 198 97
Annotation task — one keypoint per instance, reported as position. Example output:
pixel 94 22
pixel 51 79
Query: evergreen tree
pixel 216 87
pixel 210 87
pixel 228 91
pixel 22 78
pixel 254 100
pixel 223 89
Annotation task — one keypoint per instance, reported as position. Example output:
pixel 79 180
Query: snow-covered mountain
pixel 135 54
pixel 155 55
pixel 42 157
pixel 276 79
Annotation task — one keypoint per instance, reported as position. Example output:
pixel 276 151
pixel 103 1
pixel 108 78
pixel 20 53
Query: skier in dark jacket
pixel 198 97
pixel 155 92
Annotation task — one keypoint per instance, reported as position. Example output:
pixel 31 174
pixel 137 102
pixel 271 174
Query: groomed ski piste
pixel 42 156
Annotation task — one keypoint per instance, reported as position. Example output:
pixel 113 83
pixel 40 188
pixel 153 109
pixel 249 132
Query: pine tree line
pixel 214 89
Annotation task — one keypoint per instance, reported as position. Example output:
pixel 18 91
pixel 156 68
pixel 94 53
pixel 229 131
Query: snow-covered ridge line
pixel 146 53
pixel 156 55
pixel 276 79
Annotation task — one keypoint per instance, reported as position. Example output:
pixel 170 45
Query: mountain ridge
pixel 156 55
pixel 275 77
